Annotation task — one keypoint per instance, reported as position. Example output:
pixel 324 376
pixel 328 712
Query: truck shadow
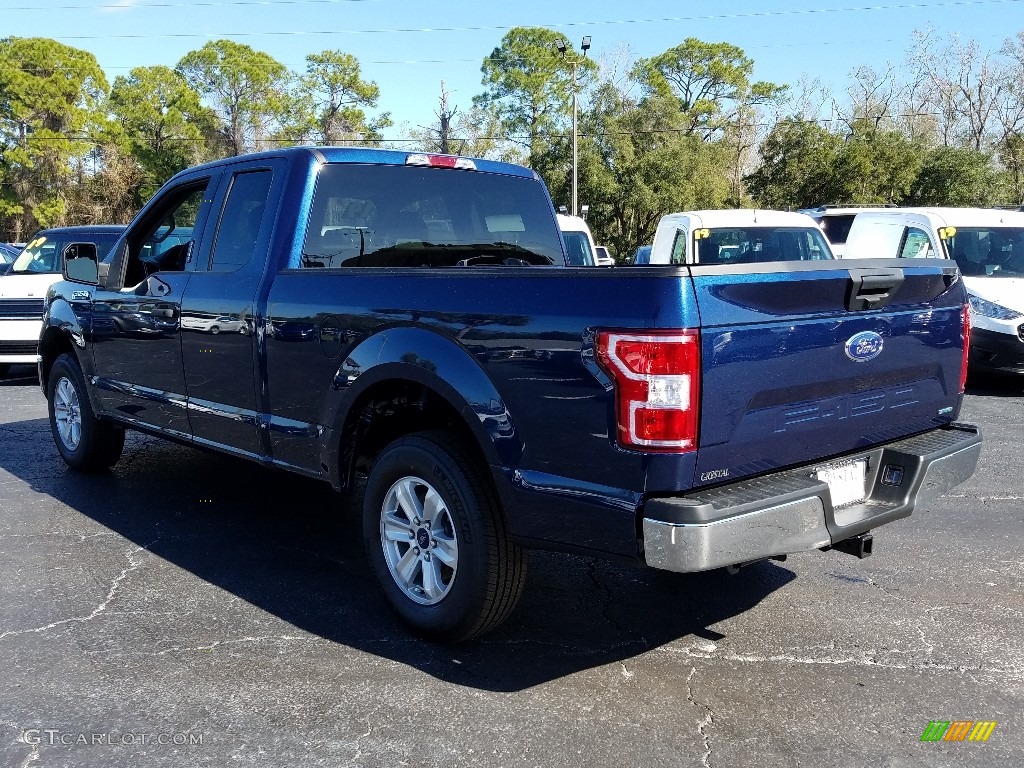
pixel 293 548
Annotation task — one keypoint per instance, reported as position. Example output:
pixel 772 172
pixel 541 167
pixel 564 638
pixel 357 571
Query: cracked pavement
pixel 189 593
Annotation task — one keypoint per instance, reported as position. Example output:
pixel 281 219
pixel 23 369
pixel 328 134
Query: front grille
pixel 21 309
pixel 17 347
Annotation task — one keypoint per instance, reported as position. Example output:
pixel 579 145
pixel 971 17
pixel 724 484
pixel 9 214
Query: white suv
pixel 23 287
pixel 988 246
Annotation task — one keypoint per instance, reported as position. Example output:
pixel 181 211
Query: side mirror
pixel 80 263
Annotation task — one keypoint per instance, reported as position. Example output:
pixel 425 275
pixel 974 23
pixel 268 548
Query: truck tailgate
pixel 809 360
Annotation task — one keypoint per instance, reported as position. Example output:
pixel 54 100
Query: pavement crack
pixel 866 659
pixel 33 753
pixel 707 720
pixel 115 585
pixel 369 730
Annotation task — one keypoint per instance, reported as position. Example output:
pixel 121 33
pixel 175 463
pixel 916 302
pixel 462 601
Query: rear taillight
pixel 965 323
pixel 656 376
pixel 441 161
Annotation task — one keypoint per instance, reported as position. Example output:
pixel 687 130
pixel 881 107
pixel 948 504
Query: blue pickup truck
pixel 407 325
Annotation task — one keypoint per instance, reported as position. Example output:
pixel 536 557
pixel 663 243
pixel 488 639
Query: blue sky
pixel 409 46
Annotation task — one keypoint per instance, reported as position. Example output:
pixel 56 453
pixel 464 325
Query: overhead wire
pixel 490 27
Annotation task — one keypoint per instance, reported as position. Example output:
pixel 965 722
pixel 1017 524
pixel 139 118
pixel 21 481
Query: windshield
pixel 988 251
pixel 745 245
pixel 578 246
pixel 42 254
pixel 403 216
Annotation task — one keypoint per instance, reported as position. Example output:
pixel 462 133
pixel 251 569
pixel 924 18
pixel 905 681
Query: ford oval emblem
pixel 864 346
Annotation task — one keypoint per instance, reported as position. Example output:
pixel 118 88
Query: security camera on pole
pixel 574 61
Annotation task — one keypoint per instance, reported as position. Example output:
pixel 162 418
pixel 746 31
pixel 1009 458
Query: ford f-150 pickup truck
pixel 409 318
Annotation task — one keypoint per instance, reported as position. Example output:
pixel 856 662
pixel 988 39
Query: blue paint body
pixel 510 349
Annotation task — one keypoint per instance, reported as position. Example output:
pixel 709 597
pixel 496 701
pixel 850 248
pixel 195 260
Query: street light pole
pixel 574 61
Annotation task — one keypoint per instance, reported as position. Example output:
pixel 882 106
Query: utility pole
pixel 574 61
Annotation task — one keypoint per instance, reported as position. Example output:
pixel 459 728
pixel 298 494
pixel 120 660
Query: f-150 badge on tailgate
pixel 864 346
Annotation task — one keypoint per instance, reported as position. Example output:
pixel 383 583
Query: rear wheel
pixel 83 441
pixel 436 539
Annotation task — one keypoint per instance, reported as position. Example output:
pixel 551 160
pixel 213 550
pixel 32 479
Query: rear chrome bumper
pixel 791 511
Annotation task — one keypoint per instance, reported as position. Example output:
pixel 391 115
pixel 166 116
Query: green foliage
pixel 957 176
pixel 528 86
pixel 799 167
pixel 247 88
pixel 710 81
pixel 637 164
pixel 163 121
pixel 326 103
pixel 50 102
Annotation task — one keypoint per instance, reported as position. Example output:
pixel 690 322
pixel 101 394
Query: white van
pixel 988 246
pixel 737 236
pixel 579 243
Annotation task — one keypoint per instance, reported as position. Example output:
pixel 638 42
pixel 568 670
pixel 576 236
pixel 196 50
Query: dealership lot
pixel 192 609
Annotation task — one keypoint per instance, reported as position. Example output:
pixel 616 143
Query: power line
pixel 548 136
pixel 505 27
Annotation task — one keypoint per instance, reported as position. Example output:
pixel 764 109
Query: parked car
pixel 604 259
pixel 737 236
pixel 988 247
pixel 495 400
pixel 23 287
pixel 835 221
pixel 579 243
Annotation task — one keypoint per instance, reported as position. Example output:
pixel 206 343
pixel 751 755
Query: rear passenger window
pixel 240 221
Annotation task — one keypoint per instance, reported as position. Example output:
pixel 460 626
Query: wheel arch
pixel 407 380
pixel 61 334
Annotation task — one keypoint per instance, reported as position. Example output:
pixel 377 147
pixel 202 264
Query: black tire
pixel 99 443
pixel 485 586
pixel 214 329
pixel 5 368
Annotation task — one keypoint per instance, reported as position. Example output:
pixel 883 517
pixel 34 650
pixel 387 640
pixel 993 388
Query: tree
pixel 50 96
pixel 799 167
pixel 956 176
pixel 711 82
pixel 164 122
pixel 528 87
pixel 246 88
pixel 876 166
pixel 964 86
pixel 637 165
pixel 326 105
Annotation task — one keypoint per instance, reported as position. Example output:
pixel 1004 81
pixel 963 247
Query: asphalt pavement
pixel 189 609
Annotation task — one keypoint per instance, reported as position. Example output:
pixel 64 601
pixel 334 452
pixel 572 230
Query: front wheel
pixel 83 441
pixel 436 539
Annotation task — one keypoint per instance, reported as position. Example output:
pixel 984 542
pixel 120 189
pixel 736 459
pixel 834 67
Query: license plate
pixel 845 481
